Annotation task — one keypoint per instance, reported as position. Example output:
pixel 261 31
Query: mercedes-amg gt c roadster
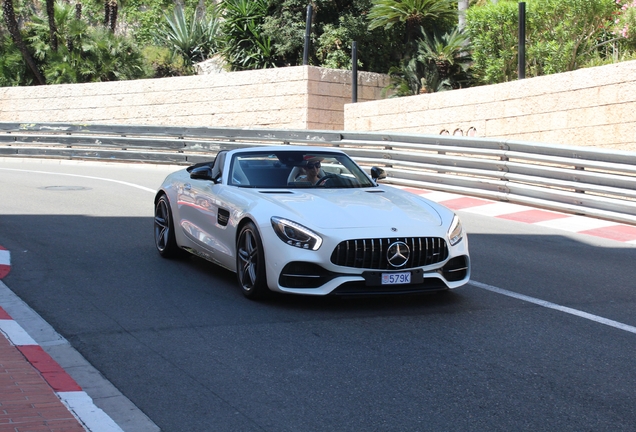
pixel 309 220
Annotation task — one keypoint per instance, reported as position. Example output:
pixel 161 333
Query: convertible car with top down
pixel 309 220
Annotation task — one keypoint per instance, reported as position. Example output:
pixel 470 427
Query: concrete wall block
pixel 320 102
pixel 335 118
pixel 330 89
pixel 370 93
pixel 336 76
pixel 269 89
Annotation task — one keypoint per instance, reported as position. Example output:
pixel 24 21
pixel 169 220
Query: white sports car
pixel 309 220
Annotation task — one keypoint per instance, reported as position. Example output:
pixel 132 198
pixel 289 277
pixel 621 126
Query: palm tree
pixel 14 31
pixel 414 14
pixel 442 63
pixel 446 59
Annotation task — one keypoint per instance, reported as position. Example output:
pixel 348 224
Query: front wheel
pixel 164 229
pixel 250 263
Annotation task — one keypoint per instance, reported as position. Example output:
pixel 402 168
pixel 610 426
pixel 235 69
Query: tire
pixel 164 229
pixel 250 263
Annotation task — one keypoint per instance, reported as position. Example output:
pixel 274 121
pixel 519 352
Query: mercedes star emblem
pixel 398 254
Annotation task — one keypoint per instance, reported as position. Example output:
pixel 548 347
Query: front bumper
pixel 309 278
pixel 298 271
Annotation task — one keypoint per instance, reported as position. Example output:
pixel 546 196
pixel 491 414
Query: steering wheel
pixel 323 179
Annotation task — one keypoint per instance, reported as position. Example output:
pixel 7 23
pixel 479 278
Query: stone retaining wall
pixel 587 107
pixel 302 97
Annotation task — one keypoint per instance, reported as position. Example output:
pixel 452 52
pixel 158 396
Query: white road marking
pixel 577 223
pixel 5 257
pixel 496 209
pixel 85 176
pixel 555 306
pixel 15 333
pixel 85 410
pixel 439 196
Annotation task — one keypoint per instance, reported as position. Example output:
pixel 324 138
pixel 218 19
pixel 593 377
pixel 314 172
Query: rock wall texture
pixel 302 97
pixel 587 107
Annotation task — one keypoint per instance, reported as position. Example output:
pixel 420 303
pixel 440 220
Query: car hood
pixel 354 208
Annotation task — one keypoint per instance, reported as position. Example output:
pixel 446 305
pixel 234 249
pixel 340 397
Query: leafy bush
pixel 243 43
pixel 13 71
pixel 164 63
pixel 625 24
pixel 376 48
pixel 493 33
pixel 85 53
pixel 194 38
pixel 561 35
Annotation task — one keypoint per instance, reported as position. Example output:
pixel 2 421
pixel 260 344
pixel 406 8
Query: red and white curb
pixel 5 262
pixel 546 218
pixel 70 393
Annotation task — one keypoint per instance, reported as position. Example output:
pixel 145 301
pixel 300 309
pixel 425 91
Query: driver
pixel 311 166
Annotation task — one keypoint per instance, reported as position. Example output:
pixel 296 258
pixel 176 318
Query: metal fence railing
pixel 592 182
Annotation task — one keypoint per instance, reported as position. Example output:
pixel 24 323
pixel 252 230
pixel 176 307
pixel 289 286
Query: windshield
pixel 294 169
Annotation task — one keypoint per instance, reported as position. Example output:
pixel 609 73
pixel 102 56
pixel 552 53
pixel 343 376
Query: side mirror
pixel 377 173
pixel 201 173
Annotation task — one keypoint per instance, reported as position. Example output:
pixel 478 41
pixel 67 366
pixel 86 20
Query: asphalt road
pixel 180 341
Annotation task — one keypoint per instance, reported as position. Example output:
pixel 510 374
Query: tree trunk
pixel 14 31
pixel 110 14
pixel 50 11
pixel 462 7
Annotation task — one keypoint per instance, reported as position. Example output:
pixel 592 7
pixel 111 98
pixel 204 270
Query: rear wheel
pixel 164 229
pixel 250 263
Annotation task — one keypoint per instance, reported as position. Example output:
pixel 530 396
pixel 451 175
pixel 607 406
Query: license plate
pixel 396 278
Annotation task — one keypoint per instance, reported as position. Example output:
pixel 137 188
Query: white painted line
pixel 84 176
pixel 83 408
pixel 555 306
pixel 496 209
pixel 5 257
pixel 15 333
pixel 576 223
pixel 440 196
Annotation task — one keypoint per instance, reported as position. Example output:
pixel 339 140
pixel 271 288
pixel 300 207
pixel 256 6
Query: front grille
pixel 372 253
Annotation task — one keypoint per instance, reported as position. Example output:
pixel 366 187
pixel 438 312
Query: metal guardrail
pixel 598 183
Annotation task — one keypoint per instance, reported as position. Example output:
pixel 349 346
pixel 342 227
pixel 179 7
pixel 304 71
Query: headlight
pixel 296 235
pixel 455 232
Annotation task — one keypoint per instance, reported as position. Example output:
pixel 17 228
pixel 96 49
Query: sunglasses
pixel 313 165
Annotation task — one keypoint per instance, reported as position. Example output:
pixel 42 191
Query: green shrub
pixel 561 35
pixel 164 63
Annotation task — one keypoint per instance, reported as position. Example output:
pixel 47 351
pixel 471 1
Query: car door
pixel 204 214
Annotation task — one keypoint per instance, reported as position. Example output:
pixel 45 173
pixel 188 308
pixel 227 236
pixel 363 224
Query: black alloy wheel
pixel 250 263
pixel 164 229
